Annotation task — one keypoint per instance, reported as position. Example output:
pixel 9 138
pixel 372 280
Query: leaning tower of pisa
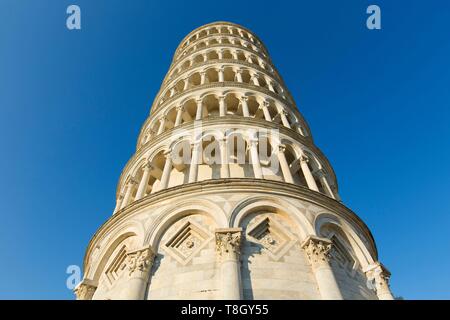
pixel 226 196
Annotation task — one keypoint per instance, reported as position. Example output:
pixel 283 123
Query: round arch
pixel 128 229
pixel 251 204
pixel 179 210
pixel 360 249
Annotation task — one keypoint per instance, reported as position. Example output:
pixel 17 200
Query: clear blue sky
pixel 72 104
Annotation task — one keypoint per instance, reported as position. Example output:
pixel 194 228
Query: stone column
pixel 167 169
pixel 284 119
pixel 270 85
pixel 299 128
pixel 239 75
pixel 220 54
pixel 284 165
pixel 221 76
pixel 144 181
pixel 380 275
pixel 255 79
pixel 172 92
pixel 139 263
pixel 162 124
pixel 186 84
pixel 307 173
pixel 255 159
pixel 199 112
pixel 85 290
pixel 228 242
pixel 222 107
pixel 118 203
pixel 179 114
pixel 318 250
pixel 265 109
pixel 321 174
pixel 202 77
pixel 194 162
pixel 224 168
pixel 245 111
pixel 127 196
pixel 336 193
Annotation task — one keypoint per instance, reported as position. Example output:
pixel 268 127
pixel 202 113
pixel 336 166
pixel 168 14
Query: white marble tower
pixel 227 196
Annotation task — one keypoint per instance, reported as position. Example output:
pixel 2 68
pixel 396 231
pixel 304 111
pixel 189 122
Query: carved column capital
pixel 228 243
pixel 132 181
pixel 85 289
pixel 318 250
pixel 304 158
pixel 139 262
pixel 378 273
pixel 147 166
pixel 282 148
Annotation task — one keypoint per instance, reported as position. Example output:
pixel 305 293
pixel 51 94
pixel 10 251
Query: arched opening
pixel 213 42
pixel 246 76
pixel 189 110
pixel 228 74
pixel 227 54
pixel 198 58
pixel 238 157
pixel 195 79
pixel 211 106
pixel 212 55
pixel 294 165
pixel 253 105
pixel 268 157
pixel 232 105
pixel 209 167
pixel 212 75
pixel 241 56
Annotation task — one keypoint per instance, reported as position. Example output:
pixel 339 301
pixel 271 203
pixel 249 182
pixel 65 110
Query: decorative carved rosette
pixel 318 250
pixel 228 243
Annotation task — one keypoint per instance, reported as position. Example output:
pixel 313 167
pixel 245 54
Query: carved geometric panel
pixel 341 256
pixel 117 265
pixel 275 239
pixel 186 242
